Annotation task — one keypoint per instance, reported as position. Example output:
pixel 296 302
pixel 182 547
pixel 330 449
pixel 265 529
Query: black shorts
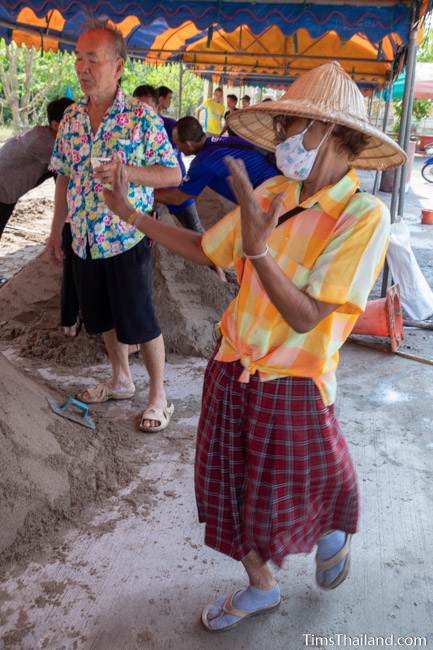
pixel 6 210
pixel 69 306
pixel 116 293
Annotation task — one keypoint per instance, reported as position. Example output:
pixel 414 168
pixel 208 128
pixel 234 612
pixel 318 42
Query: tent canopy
pixel 274 56
pixel 260 42
pixel 144 20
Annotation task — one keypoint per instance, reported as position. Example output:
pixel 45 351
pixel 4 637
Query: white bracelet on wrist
pixel 257 257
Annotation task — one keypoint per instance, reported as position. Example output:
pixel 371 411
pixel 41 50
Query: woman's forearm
pixel 299 310
pixel 186 243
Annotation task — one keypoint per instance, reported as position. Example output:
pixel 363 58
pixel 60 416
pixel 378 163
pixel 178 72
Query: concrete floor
pixel 130 578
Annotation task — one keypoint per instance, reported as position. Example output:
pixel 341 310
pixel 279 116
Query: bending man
pixel 208 168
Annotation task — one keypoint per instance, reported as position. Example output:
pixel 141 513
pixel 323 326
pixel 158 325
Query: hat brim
pixel 255 124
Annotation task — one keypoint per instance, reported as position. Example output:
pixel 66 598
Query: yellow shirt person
pixel 214 113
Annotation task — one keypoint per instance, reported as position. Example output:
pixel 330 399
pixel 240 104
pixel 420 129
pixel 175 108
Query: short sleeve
pixel 60 162
pixel 221 242
pixel 158 149
pixel 347 268
pixel 197 178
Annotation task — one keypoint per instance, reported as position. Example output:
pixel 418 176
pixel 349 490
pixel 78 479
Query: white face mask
pixel 293 159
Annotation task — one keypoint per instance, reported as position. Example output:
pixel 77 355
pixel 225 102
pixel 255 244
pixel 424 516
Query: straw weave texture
pixel 326 93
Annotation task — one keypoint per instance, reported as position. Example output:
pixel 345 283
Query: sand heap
pixel 49 466
pixel 29 318
pixel 188 299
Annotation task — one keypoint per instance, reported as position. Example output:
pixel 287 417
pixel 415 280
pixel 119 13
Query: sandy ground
pixel 134 573
pixel 131 571
pixel 27 229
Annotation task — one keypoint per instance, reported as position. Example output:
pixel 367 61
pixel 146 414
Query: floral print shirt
pixel 133 132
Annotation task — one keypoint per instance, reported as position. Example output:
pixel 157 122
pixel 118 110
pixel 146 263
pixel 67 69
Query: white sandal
pixel 163 416
pixel 102 393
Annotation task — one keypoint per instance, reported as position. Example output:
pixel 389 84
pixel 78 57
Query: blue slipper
pixel 229 609
pixel 343 556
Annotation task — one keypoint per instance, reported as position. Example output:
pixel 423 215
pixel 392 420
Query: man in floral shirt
pixel 112 261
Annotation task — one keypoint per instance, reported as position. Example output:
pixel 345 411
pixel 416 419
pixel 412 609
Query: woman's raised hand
pixel 257 225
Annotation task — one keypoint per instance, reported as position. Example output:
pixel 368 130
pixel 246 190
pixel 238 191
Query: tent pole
pixel 384 125
pixel 180 92
pixel 379 106
pixel 408 98
pixel 403 139
pixel 370 104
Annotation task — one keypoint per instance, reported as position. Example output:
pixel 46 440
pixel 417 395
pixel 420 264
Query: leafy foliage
pixel 24 103
pixel 425 51
pixel 422 108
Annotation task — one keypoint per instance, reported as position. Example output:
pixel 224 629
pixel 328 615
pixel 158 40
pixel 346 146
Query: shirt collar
pixel 118 105
pixel 333 198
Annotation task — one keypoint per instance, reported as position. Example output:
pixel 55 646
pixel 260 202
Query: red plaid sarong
pixel 272 472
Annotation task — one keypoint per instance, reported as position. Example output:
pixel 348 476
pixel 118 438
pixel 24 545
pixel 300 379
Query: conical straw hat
pixel 326 93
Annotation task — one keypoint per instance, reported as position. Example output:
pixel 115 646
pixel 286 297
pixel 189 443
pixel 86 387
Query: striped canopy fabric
pixel 147 19
pixel 262 43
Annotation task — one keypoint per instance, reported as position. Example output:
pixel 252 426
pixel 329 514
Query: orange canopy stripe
pixel 272 52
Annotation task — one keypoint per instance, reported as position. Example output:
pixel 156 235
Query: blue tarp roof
pixel 347 20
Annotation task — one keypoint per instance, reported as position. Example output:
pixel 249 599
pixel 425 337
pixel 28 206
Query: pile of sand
pixel 189 300
pixel 49 466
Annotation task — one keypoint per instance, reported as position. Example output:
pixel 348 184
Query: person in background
pixel 164 99
pixel 246 101
pixel 232 101
pixel 147 95
pixel 112 263
pixel 186 212
pixel 24 159
pixel 208 169
pixel 273 472
pixel 214 112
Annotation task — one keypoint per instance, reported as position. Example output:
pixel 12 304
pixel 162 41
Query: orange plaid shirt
pixel 333 251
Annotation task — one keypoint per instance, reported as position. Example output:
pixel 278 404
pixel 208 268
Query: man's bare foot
pixel 156 417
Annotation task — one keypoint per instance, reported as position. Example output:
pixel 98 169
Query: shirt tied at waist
pixel 249 369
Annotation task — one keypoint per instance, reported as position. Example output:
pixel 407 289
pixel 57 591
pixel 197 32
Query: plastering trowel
pixel 80 414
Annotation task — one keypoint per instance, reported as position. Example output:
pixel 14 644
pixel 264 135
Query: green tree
pixel 29 80
pixel 425 50
pixel 422 108
pixel 137 72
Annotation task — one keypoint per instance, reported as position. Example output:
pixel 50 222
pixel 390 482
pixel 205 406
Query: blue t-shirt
pixel 169 124
pixel 208 168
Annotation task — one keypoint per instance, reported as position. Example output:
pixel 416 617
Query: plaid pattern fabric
pixel 333 251
pixel 272 472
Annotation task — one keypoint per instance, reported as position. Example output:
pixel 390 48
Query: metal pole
pixel 403 139
pixel 404 134
pixel 410 81
pixel 223 54
pixel 378 175
pixel 370 104
pixel 179 108
pixel 379 106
